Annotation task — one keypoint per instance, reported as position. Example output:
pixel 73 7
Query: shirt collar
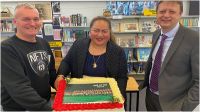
pixel 172 32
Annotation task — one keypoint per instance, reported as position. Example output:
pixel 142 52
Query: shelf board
pixel 7 18
pixel 141 16
pixel 132 32
pixel 136 47
pixel 194 16
pixel 192 26
pixel 74 26
pixel 129 17
pixel 7 32
pixel 135 61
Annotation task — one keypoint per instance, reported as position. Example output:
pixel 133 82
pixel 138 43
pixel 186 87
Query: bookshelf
pixel 137 40
pixel 7 27
pixel 190 22
pixel 134 34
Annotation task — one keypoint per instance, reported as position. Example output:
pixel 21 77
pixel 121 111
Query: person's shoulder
pixel 9 41
pixel 113 45
pixel 82 41
pixel 189 31
pixel 40 39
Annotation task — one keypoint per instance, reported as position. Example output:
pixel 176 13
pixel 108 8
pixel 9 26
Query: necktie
pixel 156 66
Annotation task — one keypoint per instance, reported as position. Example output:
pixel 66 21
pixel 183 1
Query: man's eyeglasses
pixel 104 31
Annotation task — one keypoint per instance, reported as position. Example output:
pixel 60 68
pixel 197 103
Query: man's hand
pixel 59 77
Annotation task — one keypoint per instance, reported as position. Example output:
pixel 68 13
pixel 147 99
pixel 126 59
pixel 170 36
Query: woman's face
pixel 100 33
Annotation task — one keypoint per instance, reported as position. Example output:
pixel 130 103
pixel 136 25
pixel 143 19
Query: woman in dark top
pixel 97 56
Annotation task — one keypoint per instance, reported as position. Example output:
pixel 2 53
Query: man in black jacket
pixel 28 66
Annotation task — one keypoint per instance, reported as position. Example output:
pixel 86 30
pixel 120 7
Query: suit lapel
pixel 173 47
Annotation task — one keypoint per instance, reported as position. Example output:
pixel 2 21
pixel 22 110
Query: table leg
pixel 137 101
pixel 130 101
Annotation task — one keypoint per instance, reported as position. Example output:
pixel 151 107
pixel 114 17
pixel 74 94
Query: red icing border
pixel 59 106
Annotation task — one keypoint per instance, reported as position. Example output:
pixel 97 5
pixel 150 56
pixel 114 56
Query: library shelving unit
pixel 70 34
pixel 134 34
pixel 190 22
pixel 7 27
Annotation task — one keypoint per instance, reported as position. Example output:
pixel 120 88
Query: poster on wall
pixel 45 11
pixel 56 20
pixel 56 7
pixel 48 29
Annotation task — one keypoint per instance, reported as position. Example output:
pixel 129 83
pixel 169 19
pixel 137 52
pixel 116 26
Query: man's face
pixel 168 15
pixel 27 22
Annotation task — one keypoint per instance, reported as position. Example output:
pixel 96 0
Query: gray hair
pixel 25 5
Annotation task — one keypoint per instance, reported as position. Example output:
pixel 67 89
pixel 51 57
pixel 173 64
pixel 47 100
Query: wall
pixel 89 9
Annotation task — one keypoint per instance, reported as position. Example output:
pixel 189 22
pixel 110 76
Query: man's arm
pixel 192 98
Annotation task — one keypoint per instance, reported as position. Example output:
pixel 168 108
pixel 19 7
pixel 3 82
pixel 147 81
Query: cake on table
pixel 88 93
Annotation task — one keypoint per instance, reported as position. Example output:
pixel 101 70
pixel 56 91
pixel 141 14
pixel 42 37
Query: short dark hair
pixel 100 18
pixel 179 2
pixel 112 37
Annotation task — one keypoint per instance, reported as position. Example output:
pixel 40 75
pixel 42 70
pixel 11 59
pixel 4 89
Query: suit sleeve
pixel 192 98
pixel 16 84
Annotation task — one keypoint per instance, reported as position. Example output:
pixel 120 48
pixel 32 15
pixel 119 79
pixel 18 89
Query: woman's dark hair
pixel 112 37
pixel 180 3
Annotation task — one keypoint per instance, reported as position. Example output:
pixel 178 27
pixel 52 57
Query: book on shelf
pixel 56 20
pixel 189 22
pixel 112 7
pixel 129 27
pixel 115 26
pixel 73 20
pixel 142 40
pixel 125 42
pixel 138 68
pixel 65 21
pixel 132 7
pixel 148 25
pixel 143 54
pixel 70 35
pixel 57 53
pixel 6 26
pixel 137 40
pixel 130 68
pixel 57 34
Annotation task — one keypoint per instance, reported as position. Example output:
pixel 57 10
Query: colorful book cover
pixel 115 26
pixel 56 34
pixel 143 54
pixel 56 20
pixel 132 7
pixel 148 25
